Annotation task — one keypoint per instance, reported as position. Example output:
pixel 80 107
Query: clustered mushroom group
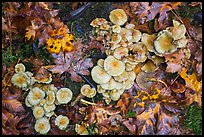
pixel 42 97
pixel 127 49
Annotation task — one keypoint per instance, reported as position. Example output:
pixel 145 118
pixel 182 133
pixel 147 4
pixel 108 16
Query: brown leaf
pixel 13 105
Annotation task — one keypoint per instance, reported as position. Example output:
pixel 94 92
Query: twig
pixel 87 102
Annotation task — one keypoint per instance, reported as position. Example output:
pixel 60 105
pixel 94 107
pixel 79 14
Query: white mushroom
pixel 42 125
pixel 64 95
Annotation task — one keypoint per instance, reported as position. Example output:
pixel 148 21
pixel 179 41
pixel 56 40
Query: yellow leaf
pixel 30 33
pixel 191 81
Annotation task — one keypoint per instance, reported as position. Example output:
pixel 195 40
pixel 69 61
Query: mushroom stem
pixel 87 102
pixel 153 79
pixel 80 96
pixel 55 115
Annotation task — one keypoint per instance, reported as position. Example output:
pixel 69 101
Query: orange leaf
pixel 13 105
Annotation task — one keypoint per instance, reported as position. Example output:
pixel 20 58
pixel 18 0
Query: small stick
pixel 87 102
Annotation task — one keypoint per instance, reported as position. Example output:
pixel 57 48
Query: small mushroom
pixel 148 41
pixel 35 96
pixel 49 108
pixel 50 99
pixel 129 26
pixel 139 52
pixel 120 52
pixel 100 63
pixel 62 122
pixel 81 129
pixel 164 43
pixel 116 28
pixel 149 66
pixel 99 75
pixel 27 103
pixel 178 30
pixel 52 88
pixel 97 22
pixel 128 84
pixel 142 80
pixel 106 94
pixel 114 95
pixel 21 80
pixel 100 89
pixel 122 77
pixel 156 59
pixel 181 42
pixel 87 91
pixel 19 68
pixel 42 102
pixel 42 125
pixel 126 34
pixel 136 35
pixel 64 95
pixel 113 66
pixel 38 112
pixel 131 75
pixel 112 84
pixel 118 17
pixel 49 114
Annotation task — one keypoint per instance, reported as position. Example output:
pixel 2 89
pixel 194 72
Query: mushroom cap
pixel 38 112
pixel 122 77
pixel 113 66
pixel 49 114
pixel 50 99
pixel 114 95
pixel 118 17
pixel 128 84
pixel 52 87
pixel 19 68
pixel 87 91
pixel 49 108
pixel 81 129
pixel 62 122
pixel 100 89
pixel 42 102
pixel 149 66
pixel 129 67
pixel 181 43
pixel 129 26
pixel 120 52
pixel 106 94
pixel 64 95
pixel 112 84
pixel 27 103
pixel 131 75
pixel 141 80
pixel 99 75
pixel 178 31
pixel 126 34
pixel 100 63
pixel 20 80
pixel 157 59
pixel 42 125
pixel 116 28
pixel 148 41
pixel 136 35
pixel 97 22
pixel 164 43
pixel 139 52
pixel 35 96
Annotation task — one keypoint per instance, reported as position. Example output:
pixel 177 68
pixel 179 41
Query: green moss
pixel 194 119
pixel 131 113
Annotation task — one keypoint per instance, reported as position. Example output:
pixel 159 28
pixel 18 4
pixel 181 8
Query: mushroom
pixel 114 41
pixel 49 114
pixel 81 129
pixel 100 89
pixel 112 84
pixel 107 100
pixel 38 112
pixel 120 52
pixel 136 35
pixel 118 17
pixel 139 52
pixel 64 95
pixel 62 122
pixel 100 63
pixel 129 67
pixel 142 80
pixel 97 22
pixel 19 68
pixel 181 42
pixel 42 102
pixel 114 95
pixel 126 34
pixel 148 41
pixel 164 43
pixel 21 80
pixel 122 77
pixel 178 30
pixel 35 96
pixel 50 99
pixel 27 103
pixel 99 75
pixel 49 108
pixel 116 28
pixel 149 66
pixel 106 94
pixel 52 88
pixel 128 84
pixel 132 75
pixel 129 26
pixel 42 125
pixel 156 59
pixel 87 91
pixel 113 66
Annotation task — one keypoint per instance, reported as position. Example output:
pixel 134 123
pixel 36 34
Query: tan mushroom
pixel 112 84
pixel 100 63
pixel 116 28
pixel 62 122
pixel 142 80
pixel 148 41
pixel 120 52
pixel 136 35
pixel 156 59
pixel 178 30
pixel 64 95
pixel 19 68
pixel 129 26
pixel 118 17
pixel 129 67
pixel 164 43
pixel 139 52
pixel 122 77
pixel 181 43
pixel 49 108
pixel 50 99
pixel 149 66
pixel 113 66
pixel 115 95
pixel 38 112
pixel 128 84
pixel 126 34
pixel 21 80
pixel 87 91
pixel 99 75
pixel 100 89
pixel 35 95
pixel 97 22
pixel 131 75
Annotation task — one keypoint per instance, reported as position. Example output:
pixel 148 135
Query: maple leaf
pixel 191 80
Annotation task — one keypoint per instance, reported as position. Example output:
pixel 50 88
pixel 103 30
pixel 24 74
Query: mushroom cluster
pixel 128 48
pixel 42 98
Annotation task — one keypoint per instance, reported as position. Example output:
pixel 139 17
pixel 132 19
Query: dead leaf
pixel 13 105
